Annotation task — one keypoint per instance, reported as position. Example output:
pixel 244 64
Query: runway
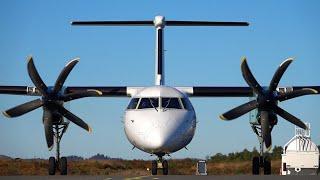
pixel 174 177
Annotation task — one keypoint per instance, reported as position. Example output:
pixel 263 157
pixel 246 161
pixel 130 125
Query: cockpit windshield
pixel 149 103
pixel 133 103
pixel 153 102
pixel 186 104
pixel 170 103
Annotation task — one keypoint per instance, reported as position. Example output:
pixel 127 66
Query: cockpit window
pixel 170 103
pixel 133 103
pixel 186 104
pixel 149 103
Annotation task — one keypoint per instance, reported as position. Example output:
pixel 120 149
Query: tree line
pixel 244 155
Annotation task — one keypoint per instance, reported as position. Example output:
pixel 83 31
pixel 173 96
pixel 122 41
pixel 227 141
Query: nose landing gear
pixel 159 164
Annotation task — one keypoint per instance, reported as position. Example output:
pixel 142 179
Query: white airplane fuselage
pixel 166 126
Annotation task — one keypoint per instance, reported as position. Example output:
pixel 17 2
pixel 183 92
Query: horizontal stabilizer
pixel 152 23
pixel 159 20
pixel 205 23
pixel 112 23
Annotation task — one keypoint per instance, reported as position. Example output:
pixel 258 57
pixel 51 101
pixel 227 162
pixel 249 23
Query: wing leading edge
pixel 106 91
pixel 215 91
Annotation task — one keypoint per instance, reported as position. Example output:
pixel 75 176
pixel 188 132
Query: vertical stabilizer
pixel 159 23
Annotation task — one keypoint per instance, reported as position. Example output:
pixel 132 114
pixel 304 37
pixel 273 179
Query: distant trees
pixel 244 155
pixel 99 157
pixel 276 152
pixel 74 158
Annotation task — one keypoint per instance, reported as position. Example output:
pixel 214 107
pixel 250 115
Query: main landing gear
pixel 57 163
pixel 261 161
pixel 159 164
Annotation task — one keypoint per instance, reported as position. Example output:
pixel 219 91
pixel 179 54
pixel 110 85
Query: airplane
pixel 159 119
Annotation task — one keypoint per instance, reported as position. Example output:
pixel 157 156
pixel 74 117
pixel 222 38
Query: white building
pixel 300 155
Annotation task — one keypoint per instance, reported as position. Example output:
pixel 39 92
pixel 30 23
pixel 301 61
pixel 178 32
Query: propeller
pixel 52 100
pixel 267 101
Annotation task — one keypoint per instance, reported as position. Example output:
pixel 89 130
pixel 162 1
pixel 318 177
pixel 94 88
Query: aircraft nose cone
pixel 157 139
pixel 160 132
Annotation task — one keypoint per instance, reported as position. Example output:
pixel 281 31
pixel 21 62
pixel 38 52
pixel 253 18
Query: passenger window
pixel 133 103
pixel 149 103
pixel 170 103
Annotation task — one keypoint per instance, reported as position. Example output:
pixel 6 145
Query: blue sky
pixel 124 56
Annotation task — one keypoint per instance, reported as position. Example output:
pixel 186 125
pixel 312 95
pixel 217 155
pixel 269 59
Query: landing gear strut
pixel 160 164
pixel 57 163
pixel 261 161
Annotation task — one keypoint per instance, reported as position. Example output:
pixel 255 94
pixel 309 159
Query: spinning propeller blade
pixel 265 128
pixel 48 128
pixel 35 77
pixel 296 93
pixel 279 73
pixel 289 117
pixel 23 108
pixel 240 110
pixel 73 118
pixel 249 78
pixel 64 74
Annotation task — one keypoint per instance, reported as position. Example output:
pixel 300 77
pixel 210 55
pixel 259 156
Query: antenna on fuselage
pixel 159 23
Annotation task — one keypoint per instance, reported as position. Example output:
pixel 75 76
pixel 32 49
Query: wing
pixel 218 91
pixel 126 91
pixel 106 91
pixel 18 90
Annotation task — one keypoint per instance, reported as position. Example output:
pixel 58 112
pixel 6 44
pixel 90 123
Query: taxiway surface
pixel 174 177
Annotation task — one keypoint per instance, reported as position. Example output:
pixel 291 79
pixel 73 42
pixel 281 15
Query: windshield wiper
pixel 153 105
pixel 165 108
